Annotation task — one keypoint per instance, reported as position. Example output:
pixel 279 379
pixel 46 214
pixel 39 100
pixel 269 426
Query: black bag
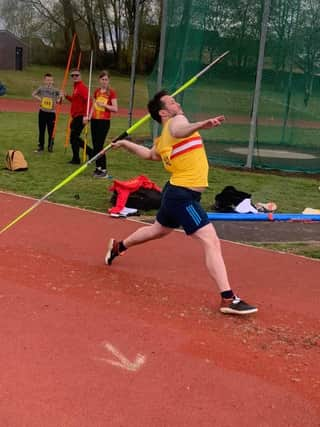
pixel 144 199
pixel 229 198
pixel 3 89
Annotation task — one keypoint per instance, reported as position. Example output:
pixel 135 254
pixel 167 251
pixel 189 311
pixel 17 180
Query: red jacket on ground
pixel 125 188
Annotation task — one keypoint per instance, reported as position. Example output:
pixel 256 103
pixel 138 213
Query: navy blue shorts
pixel 181 207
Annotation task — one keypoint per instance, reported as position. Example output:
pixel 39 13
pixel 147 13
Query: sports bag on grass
pixel 3 89
pixel 143 199
pixel 228 199
pixel 15 161
pixel 125 194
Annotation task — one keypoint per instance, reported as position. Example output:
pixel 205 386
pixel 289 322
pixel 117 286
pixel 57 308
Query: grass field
pixel 20 84
pixel 229 97
pixel 291 193
pixel 19 131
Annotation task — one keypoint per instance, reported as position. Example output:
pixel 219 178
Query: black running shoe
pixel 101 173
pixel 236 306
pixel 112 251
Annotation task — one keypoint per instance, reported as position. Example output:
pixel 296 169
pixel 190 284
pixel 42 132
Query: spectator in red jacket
pixel 79 100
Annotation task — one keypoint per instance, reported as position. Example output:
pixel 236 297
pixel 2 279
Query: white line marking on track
pixel 122 362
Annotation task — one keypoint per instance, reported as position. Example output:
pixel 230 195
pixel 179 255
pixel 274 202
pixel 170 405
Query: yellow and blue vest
pixel 184 158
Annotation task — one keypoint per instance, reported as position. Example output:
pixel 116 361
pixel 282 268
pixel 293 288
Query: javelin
pixel 179 90
pixel 64 82
pixel 87 112
pixel 123 135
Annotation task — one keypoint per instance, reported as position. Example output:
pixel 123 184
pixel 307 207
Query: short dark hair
pixel 48 75
pixel 155 105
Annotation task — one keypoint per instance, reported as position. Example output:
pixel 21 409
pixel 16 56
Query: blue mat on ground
pixel 262 217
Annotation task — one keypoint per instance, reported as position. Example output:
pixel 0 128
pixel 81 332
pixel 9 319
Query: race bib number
pixel 46 103
pixel 100 99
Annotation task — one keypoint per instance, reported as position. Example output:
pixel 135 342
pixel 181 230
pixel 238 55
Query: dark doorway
pixel 19 58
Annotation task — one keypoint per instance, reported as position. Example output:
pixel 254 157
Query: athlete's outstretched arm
pixel 139 150
pixel 180 127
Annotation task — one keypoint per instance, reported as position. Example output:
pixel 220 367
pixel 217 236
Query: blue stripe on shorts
pixel 180 207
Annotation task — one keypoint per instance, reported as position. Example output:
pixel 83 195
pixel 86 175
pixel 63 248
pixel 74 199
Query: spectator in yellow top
pixel 104 103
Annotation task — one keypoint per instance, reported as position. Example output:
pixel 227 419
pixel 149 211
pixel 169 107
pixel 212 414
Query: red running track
pixel 25 106
pixel 141 343
pixel 29 106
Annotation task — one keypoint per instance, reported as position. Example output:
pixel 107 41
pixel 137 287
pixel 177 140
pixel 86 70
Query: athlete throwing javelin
pixel 182 152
